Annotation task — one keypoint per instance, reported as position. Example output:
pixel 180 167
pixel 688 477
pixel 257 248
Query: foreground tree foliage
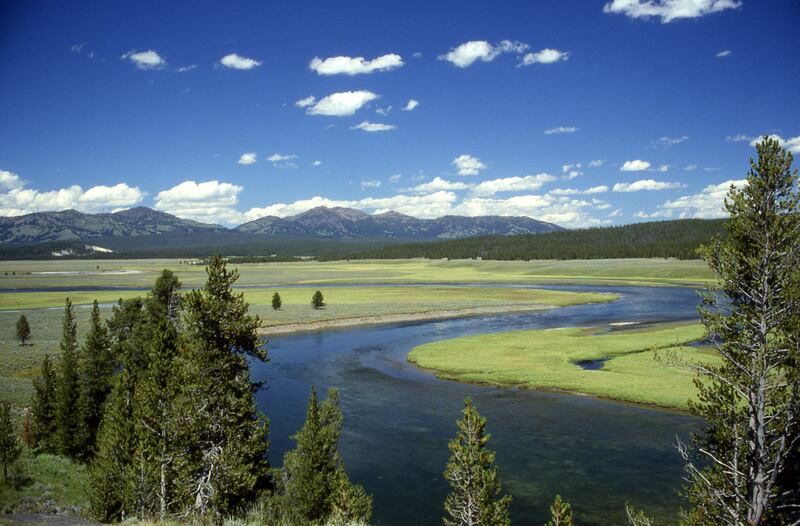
pixel 96 370
pixel 180 435
pixel 475 498
pixel 68 417
pixel 751 403
pixel 313 487
pixel 560 513
pixel 43 410
pixel 10 448
pixel 23 329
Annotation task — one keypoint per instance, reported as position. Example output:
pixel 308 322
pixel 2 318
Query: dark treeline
pixel 662 239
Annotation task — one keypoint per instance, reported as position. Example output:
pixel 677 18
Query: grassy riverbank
pixel 547 359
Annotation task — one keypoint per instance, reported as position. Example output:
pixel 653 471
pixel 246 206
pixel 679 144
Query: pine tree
pixel 560 513
pixel 69 424
pixel 157 421
pixel 751 402
pixel 228 454
pixel 23 329
pixel 10 449
pixel 318 489
pixel 474 499
pixel 97 368
pixel 111 475
pixel 43 409
pixel 317 300
pixel 276 301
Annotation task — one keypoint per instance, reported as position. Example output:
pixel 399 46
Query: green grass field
pixel 44 484
pixel 546 359
pixel 142 273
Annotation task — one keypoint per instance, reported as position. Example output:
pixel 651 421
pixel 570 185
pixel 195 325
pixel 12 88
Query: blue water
pixel 398 419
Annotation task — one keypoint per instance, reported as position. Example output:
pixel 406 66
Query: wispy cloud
pixel 724 53
pixel 373 126
pixel 561 129
pixel 410 105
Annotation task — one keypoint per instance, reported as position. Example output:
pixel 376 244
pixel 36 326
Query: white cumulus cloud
pixel 247 158
pixel 20 200
pixel 435 185
pixel 512 184
pixel 669 10
pixel 635 166
pixel 468 165
pixel 467 53
pixel 645 184
pixel 707 204
pixel 354 65
pixel 208 201
pixel 373 126
pixel 234 61
pixel 145 59
pixel 339 104
pixel 545 56
pixel 10 180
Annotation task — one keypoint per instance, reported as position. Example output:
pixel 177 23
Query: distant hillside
pixel 347 223
pixel 144 231
pixel 73 225
pixel 678 239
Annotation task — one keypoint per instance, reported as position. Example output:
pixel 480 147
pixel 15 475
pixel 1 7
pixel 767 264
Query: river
pixel 596 453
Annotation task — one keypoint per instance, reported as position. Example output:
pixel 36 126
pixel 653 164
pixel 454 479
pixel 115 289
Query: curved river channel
pixel 597 454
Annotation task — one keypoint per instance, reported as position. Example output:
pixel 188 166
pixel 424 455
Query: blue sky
pixel 578 112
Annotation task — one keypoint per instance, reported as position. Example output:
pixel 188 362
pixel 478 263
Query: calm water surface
pixel 398 419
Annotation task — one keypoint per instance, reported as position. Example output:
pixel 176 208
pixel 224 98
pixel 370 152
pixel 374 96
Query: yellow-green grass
pixel 36 479
pixel 640 364
pixel 19 364
pixel 77 273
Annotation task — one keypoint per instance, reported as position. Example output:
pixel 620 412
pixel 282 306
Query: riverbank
pixel 634 364
pixel 340 323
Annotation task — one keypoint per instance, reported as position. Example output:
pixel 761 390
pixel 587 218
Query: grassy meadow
pixel 142 273
pixel 638 366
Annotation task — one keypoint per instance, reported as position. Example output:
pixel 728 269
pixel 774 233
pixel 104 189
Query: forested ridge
pixel 679 239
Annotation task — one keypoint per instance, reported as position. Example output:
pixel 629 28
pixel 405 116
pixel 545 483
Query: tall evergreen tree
pixel 69 424
pixel 97 367
pixel 228 456
pixel 43 409
pixel 157 421
pixel 751 402
pixel 10 448
pixel 560 513
pixel 317 488
pixel 111 475
pixel 475 498
pixel 23 329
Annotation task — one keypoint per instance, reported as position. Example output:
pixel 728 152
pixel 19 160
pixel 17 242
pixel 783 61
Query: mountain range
pixel 321 223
